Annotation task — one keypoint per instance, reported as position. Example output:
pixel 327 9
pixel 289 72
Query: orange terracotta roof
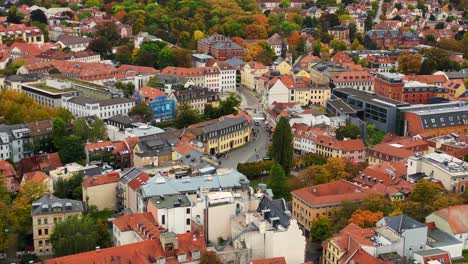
pixel 456 217
pixel 334 192
pixel 36 176
pixel 139 180
pixel 137 253
pixel 279 260
pixel 6 169
pixel 345 145
pixel 112 177
pixel 430 79
pixel 183 72
pixel 388 173
pixel 151 93
pixel 27 48
pixel 135 222
pixel 352 76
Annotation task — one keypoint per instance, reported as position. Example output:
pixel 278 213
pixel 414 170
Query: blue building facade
pixel 163 108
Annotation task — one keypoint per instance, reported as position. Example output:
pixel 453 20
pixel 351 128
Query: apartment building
pixel 324 200
pixel 359 80
pixel 218 78
pixel 223 134
pixel 47 95
pixel 197 97
pixel 46 212
pixel 251 72
pixel 85 106
pixel 14 142
pixel 290 88
pixel 100 191
pixel 18 31
pixel 450 171
pixel 397 150
pixel 352 150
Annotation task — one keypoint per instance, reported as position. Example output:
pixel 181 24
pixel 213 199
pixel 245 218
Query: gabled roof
pixel 151 93
pixel 68 40
pixel 36 176
pixel 400 223
pixel 6 169
pixel 456 217
pixel 275 209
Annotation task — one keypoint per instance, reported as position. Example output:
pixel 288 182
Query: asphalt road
pixel 256 149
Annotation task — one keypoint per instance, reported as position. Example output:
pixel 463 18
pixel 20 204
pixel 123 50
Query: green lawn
pixel 465 255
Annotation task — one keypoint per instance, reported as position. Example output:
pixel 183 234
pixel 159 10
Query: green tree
pixel 38 16
pixel 69 188
pixel 278 181
pixel 185 116
pixel 320 229
pixel 165 58
pixel 74 235
pixel 143 111
pixel 98 131
pixel 285 4
pixel 123 55
pixel 282 145
pixel 349 131
pixel 230 105
pixel 81 129
pixel 368 23
pixel 374 136
pixel 425 192
pixel 59 132
pixel 127 88
pixel 71 149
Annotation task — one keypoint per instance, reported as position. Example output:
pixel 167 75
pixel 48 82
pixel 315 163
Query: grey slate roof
pixel 73 40
pixel 224 179
pixel 128 175
pixel 275 211
pixel 225 123
pixel 401 223
pixel 49 204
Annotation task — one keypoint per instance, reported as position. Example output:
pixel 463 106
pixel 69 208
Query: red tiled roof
pixel 430 79
pixel 389 173
pixel 138 253
pixel 151 93
pixel 402 147
pixel 101 179
pixel 27 48
pixel 279 260
pixel 6 169
pixel 135 221
pixel 352 76
pixel 456 217
pixel 341 57
pixel 138 181
pixel 345 145
pixel 334 192
pixel 36 176
pixel 294 82
pixel 183 72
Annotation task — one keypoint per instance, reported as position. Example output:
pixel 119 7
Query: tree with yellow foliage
pixel 197 35
pixel 365 218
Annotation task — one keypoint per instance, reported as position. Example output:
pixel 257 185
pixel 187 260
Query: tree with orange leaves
pixel 293 39
pixel 260 19
pixel 239 41
pixel 365 218
pixel 255 31
pixel 121 15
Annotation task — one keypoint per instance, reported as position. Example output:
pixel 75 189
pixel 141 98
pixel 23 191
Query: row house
pixel 18 31
pixel 218 78
pixel 14 142
pixel 289 88
pixel 352 150
pixel 397 150
pixel 117 154
pixel 46 212
pixel 223 134
pixel 359 80
pixel 162 105
pixel 251 72
pixel 304 138
pixel 339 33
pixel 101 191
pixel 379 63
pixel 80 56
pixel 197 97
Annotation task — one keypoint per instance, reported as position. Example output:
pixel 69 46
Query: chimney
pixel 98 249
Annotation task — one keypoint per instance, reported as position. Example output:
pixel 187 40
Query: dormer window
pixel 196 254
pixel 182 257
